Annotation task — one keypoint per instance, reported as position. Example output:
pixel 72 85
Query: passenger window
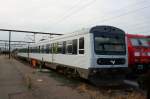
pixel 64 47
pixel 42 48
pixel 81 51
pixel 55 47
pixel 47 48
pixel 50 48
pixel 33 50
pixel 39 50
pixel 81 45
pixel 75 44
pixel 59 49
pixel 69 47
pixel 30 49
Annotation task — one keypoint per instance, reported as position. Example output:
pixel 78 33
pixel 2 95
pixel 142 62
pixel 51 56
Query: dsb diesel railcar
pixel 98 52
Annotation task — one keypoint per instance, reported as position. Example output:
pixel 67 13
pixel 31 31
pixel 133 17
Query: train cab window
pixel 69 47
pixel 139 42
pixel 64 47
pixel 81 45
pixel 75 44
pixel 134 42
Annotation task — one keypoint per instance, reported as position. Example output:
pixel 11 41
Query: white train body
pixel 83 56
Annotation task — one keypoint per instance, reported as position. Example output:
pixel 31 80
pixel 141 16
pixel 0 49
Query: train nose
pixel 111 61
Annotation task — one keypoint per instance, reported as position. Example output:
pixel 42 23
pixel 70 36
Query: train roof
pixel 82 31
pixel 136 36
pixel 75 33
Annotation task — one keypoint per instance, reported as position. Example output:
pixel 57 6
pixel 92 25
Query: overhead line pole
pixel 5 46
pixel 9 43
pixel 34 37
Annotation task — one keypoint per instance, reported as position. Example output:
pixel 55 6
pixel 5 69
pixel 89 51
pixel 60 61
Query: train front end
pixel 109 55
pixel 139 53
pixel 148 39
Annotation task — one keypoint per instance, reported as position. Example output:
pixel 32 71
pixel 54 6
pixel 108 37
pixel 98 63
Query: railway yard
pixel 20 81
pixel 74 49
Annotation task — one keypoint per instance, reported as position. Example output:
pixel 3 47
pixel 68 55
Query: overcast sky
pixel 64 16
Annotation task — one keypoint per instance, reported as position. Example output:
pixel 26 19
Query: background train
pixel 148 39
pixel 138 53
pixel 98 52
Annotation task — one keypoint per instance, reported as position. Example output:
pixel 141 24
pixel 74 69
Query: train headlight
pixel 136 53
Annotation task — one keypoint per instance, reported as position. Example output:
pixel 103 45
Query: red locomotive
pixel 138 53
pixel 148 39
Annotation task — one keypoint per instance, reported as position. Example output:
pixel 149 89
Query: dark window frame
pixel 64 47
pixel 47 48
pixel 81 45
pixel 75 46
pixel 69 47
pixel 59 47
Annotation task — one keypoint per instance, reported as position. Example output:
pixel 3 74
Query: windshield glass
pixel 140 42
pixel 149 41
pixel 110 45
